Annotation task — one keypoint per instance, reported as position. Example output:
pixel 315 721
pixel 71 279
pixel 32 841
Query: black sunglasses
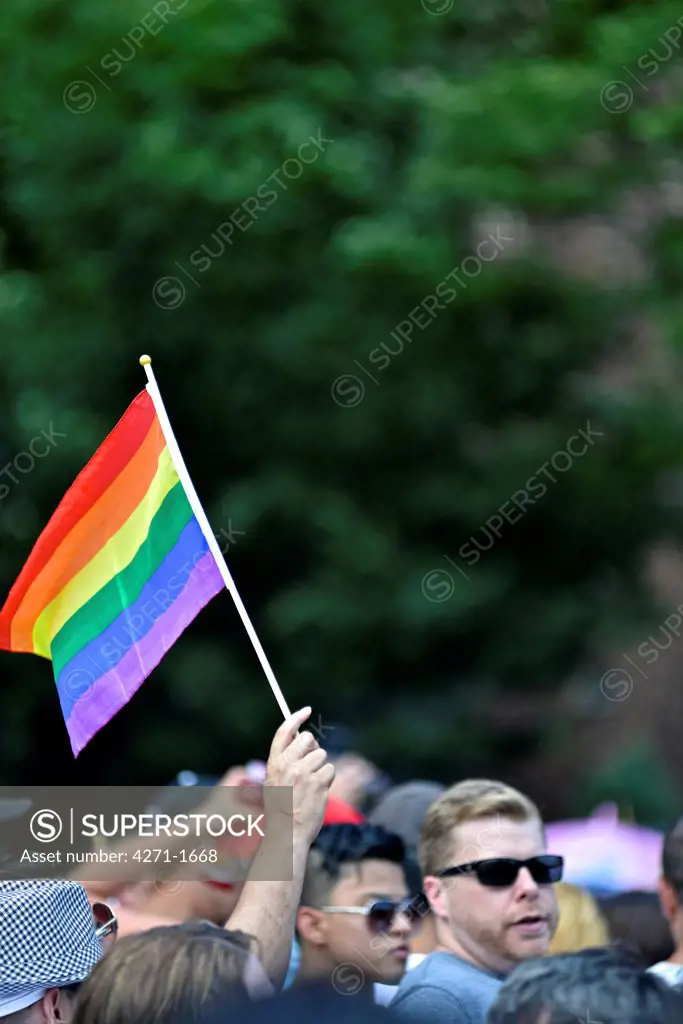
pixel 501 872
pixel 381 914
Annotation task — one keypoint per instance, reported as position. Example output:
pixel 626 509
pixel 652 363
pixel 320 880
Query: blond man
pixel 489 882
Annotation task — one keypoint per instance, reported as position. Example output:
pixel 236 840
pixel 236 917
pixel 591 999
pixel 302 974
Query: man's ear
pixel 667 900
pixel 311 926
pixel 435 891
pixel 57 1007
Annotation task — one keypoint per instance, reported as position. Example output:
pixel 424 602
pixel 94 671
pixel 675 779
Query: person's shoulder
pixel 425 990
pixel 445 988
pixel 671 973
pixel 428 966
pixel 442 968
pixel 433 1003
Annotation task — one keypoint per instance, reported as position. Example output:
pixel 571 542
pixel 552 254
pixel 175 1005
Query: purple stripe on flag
pixel 111 691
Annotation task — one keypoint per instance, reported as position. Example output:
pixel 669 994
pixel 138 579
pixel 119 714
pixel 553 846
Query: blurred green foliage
pixel 125 145
pixel 638 783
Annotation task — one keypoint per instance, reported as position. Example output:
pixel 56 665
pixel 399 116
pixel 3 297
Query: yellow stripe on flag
pixel 110 560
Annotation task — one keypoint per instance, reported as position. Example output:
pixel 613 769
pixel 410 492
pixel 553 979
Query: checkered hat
pixel 47 939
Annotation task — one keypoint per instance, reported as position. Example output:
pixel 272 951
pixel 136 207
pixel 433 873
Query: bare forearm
pixel 297 783
pixel 267 911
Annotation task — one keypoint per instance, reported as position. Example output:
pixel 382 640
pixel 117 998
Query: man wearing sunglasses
pixel 50 940
pixel 489 882
pixel 356 918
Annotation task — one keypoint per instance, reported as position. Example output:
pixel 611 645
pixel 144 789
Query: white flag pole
pixel 195 504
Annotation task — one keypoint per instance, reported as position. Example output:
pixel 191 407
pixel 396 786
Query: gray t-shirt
pixel 445 988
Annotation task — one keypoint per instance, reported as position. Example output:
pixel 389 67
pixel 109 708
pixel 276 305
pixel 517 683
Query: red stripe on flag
pixel 109 460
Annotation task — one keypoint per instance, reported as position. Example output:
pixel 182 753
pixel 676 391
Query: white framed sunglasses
pixel 381 914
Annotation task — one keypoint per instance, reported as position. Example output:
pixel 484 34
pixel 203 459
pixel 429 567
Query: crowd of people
pixel 432 904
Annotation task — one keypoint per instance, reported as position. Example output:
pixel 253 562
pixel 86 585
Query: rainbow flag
pixel 120 570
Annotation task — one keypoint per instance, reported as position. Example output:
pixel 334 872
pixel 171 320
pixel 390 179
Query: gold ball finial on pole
pixel 145 360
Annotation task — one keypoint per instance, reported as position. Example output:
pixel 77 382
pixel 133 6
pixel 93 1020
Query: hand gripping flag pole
pixel 200 515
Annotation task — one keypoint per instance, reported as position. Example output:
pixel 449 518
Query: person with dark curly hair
pixel 595 985
pixel 356 914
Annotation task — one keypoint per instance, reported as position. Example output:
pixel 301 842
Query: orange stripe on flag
pixel 95 507
pixel 89 535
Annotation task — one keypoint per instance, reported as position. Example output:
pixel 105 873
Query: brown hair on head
pixel 164 973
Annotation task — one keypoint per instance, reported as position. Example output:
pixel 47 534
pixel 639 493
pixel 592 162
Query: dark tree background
pixel 130 134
